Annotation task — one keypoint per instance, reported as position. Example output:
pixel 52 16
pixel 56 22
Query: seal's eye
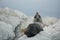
pixel 37 16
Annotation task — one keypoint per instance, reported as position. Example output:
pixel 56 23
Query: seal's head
pixel 37 18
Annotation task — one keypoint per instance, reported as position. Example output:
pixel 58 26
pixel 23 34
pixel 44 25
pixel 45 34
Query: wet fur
pixel 33 29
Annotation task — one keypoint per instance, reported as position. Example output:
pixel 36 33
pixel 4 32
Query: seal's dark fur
pixel 33 29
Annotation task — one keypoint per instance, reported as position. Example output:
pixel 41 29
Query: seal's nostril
pixel 37 19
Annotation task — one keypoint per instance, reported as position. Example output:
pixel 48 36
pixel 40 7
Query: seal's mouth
pixel 38 19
